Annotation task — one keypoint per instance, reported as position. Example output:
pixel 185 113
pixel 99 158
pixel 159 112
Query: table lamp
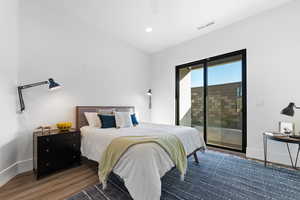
pixel 289 111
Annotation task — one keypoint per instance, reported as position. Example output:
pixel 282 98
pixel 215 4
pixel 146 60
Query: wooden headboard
pixel 80 117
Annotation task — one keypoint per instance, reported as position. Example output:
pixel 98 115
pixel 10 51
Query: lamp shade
pixel 149 92
pixel 53 85
pixel 289 110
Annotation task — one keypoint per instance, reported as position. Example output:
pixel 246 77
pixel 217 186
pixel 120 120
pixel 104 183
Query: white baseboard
pixel 15 169
pixel 8 173
pixel 25 166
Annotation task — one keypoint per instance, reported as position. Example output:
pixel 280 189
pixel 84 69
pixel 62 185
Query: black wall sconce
pixel 289 110
pixel 149 93
pixel 52 86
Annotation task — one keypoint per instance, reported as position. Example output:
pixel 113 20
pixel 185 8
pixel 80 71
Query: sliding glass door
pixel 224 102
pixel 211 96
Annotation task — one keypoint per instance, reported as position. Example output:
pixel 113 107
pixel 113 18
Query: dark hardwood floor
pixel 54 187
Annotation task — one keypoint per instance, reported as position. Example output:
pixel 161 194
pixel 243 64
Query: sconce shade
pixel 52 84
pixel 149 93
pixel 289 110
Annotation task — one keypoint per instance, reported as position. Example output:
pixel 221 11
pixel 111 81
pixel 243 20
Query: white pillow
pixel 123 119
pixel 109 111
pixel 93 119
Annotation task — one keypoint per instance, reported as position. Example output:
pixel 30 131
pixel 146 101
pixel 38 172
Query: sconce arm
pixel 20 88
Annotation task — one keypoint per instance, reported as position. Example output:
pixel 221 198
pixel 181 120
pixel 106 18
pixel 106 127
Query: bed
pixel 143 165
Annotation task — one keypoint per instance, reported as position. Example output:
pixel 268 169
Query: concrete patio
pixel 226 137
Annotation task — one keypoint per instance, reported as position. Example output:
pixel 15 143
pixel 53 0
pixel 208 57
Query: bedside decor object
pixel 64 126
pixel 55 151
pixel 149 93
pixel 52 86
pixel 289 110
pixel 286 127
pixel 45 130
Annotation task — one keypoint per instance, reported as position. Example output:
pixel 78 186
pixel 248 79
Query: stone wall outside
pixel 224 106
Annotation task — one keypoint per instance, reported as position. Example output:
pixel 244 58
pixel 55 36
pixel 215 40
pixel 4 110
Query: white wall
pixel 8 82
pixel 185 95
pixel 93 68
pixel 272 41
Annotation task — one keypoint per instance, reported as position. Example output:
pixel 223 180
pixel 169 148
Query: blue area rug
pixel 218 176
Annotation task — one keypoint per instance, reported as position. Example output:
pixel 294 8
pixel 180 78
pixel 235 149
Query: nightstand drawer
pixel 45 167
pixel 45 152
pixel 44 140
pixel 73 144
pixel 75 158
pixel 63 137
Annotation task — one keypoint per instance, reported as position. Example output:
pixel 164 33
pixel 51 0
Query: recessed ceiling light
pixel 148 29
pixel 205 25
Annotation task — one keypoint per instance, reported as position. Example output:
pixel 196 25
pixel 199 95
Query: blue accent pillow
pixel 134 120
pixel 107 121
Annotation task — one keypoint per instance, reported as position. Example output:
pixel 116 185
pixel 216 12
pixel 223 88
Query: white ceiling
pixel 173 21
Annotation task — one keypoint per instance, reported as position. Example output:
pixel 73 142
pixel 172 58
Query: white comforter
pixel 142 166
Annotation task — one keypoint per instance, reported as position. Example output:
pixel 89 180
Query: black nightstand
pixel 55 151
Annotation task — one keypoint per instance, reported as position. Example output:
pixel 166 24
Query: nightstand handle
pixel 47 150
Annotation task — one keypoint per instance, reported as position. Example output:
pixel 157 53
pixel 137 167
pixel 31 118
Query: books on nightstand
pixel 275 134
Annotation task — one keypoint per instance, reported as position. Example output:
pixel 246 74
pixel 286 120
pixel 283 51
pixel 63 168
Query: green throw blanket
pixel 170 143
